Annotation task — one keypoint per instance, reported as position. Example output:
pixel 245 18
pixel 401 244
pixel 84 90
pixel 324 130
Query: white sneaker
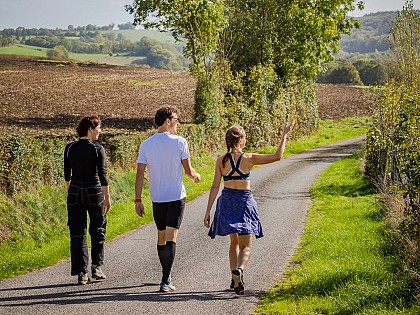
pixel 82 278
pixel 97 273
pixel 167 287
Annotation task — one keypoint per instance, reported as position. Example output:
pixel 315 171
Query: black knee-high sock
pixel 169 256
pixel 160 249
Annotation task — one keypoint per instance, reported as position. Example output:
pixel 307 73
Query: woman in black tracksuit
pixel 88 192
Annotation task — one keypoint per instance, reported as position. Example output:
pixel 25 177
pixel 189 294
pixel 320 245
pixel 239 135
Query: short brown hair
pixel 164 113
pixel 87 122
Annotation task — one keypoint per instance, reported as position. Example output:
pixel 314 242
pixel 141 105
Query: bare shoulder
pixel 219 160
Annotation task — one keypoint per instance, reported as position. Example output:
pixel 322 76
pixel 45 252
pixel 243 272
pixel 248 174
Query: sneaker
pixel 238 281
pixel 232 285
pixel 167 287
pixel 97 273
pixel 82 278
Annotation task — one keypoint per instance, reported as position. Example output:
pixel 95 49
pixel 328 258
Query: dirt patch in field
pixel 340 101
pixel 47 99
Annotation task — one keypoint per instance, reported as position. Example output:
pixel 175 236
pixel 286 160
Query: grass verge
pixel 33 224
pixel 345 263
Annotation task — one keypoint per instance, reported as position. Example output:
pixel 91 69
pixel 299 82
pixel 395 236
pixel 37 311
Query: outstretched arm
pixel 258 159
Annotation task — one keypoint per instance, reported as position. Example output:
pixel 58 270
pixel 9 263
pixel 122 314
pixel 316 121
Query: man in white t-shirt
pixel 165 154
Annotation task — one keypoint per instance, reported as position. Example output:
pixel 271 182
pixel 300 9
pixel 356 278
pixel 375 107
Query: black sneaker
pixel 238 281
pixel 232 285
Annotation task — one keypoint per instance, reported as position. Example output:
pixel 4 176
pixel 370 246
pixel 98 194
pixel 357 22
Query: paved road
pixel 201 273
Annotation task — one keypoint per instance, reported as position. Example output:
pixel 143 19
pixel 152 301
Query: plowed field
pixel 41 98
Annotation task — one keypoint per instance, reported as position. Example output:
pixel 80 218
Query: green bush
pixel 27 162
pixel 59 52
pixel 262 104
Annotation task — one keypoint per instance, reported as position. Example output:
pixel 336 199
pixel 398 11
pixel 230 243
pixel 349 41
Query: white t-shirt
pixel 163 153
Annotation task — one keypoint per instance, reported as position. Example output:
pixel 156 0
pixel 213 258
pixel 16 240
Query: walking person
pixel 165 154
pixel 87 192
pixel 236 212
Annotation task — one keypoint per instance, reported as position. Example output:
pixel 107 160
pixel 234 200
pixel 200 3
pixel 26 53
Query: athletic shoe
pixel 167 287
pixel 232 285
pixel 238 281
pixel 82 278
pixel 97 273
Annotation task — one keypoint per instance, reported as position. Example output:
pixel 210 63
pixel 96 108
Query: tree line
pixel 364 71
pixel 88 40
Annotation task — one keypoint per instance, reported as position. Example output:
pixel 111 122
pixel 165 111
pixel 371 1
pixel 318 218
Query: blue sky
pixel 61 13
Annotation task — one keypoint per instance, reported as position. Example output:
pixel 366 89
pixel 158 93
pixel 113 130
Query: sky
pixel 62 13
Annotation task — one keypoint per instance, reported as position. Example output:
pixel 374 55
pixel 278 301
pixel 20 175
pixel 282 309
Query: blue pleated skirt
pixel 236 212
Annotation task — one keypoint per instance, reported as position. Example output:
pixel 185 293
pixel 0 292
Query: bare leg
pixel 170 234
pixel 233 251
pixel 244 250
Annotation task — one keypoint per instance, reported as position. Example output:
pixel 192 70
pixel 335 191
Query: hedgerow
pixel 393 143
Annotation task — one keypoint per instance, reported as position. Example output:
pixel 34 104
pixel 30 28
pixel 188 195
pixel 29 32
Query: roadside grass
pixel 345 263
pixel 35 232
pixel 329 131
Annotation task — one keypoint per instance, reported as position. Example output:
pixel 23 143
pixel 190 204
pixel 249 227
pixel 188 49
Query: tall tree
pixel 245 41
pixel 199 22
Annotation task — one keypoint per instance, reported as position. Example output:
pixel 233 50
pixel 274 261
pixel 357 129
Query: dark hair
pixel 233 136
pixel 163 113
pixel 87 122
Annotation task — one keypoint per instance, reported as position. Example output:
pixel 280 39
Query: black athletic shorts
pixel 168 214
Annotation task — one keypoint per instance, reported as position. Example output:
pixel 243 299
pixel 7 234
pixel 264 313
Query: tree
pixel 405 44
pixel 236 39
pixel 199 22
pixel 58 52
pixel 126 26
pixel 371 71
pixel 120 37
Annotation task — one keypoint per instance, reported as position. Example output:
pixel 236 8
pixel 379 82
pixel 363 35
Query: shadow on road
pixel 123 293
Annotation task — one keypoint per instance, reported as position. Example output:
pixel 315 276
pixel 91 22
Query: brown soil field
pixel 43 98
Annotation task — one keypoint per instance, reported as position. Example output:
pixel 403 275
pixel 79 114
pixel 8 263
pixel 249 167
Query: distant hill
pixel 373 34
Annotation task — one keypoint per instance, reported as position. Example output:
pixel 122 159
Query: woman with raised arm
pixel 236 212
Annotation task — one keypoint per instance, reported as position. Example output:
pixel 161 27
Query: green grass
pixel 345 262
pixel 38 218
pixel 329 131
pixel 23 50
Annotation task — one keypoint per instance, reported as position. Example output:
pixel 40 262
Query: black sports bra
pixel 235 169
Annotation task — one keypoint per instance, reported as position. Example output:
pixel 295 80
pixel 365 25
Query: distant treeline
pixel 372 36
pixel 362 59
pixel 92 39
pixel 21 31
pixel 363 71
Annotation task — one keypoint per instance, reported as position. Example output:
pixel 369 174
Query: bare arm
pixel 189 171
pixel 213 192
pixel 139 188
pixel 258 159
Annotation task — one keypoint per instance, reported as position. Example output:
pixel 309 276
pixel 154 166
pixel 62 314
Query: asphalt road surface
pixel 201 270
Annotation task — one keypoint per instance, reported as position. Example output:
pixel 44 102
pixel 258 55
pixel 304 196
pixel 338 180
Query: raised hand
pixel 288 127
